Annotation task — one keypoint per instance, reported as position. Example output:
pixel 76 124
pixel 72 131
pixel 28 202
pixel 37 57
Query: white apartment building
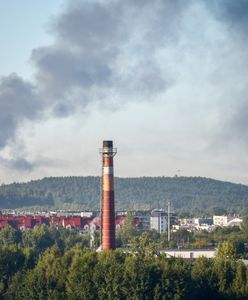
pixel 158 221
pixel 222 220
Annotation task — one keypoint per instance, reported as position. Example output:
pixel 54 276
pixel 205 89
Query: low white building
pixel 224 220
pixel 190 253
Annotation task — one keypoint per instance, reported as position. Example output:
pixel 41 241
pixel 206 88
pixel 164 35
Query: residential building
pixel 223 220
pixel 158 221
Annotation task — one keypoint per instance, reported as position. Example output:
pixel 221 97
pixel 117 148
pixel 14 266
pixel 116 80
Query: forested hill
pixel 185 193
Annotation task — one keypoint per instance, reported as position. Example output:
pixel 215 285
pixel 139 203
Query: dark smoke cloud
pixel 102 48
pixel 18 103
pixel 235 124
pixel 110 45
pixel 234 13
pixel 19 164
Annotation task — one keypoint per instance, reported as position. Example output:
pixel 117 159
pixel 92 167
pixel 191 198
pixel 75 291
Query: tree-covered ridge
pixel 185 193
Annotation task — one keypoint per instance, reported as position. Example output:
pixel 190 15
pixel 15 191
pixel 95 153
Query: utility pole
pixel 92 238
pixel 168 222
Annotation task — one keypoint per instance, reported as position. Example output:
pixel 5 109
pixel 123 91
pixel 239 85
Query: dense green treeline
pixel 49 263
pixel 20 251
pixel 194 194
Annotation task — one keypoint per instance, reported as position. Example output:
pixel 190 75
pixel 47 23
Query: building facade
pixel 223 220
pixel 158 221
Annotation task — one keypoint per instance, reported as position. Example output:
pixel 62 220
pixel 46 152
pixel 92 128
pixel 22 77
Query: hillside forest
pixel 194 195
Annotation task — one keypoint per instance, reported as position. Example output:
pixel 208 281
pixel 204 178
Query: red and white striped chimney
pixel 108 197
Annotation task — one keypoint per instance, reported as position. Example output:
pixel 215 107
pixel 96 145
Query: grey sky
pixel 166 80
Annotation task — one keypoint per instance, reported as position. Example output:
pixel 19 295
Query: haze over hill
pixel 187 194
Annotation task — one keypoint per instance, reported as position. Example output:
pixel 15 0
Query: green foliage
pixel 204 239
pixel 224 270
pixel 12 260
pixel 80 273
pixel 244 229
pixel 125 234
pixel 226 250
pixel 9 236
pixel 50 263
pixel 239 284
pixel 140 278
pixel 43 237
pixel 205 280
pixel 108 275
pixel 80 284
pixel 45 281
pixel 20 252
pixel 182 237
pixel 189 195
pixel 176 281
pixel 145 246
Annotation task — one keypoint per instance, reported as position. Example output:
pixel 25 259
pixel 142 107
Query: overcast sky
pixel 166 80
